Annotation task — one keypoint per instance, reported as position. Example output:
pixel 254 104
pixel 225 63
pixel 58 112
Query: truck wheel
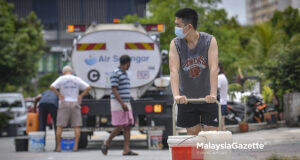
pixel 83 142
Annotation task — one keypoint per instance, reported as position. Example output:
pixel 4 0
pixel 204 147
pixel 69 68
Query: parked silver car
pixel 14 104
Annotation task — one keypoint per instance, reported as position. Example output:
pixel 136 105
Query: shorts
pixel 190 115
pixel 224 109
pixel 69 113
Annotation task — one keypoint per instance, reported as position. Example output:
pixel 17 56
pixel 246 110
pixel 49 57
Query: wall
pixel 292 108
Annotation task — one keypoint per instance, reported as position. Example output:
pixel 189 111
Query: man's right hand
pixel 125 107
pixel 181 99
pixel 61 98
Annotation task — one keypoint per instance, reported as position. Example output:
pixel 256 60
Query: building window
pixel 50 66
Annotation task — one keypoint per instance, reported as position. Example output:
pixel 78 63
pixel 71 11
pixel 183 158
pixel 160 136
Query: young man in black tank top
pixel 193 62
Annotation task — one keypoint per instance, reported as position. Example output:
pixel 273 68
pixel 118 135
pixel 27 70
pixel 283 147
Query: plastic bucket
pixel 21 144
pixel 197 147
pixel 36 141
pixel 67 141
pixel 155 139
pixel 67 144
pixel 185 147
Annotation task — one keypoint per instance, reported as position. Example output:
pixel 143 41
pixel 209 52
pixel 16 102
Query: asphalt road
pixel 280 141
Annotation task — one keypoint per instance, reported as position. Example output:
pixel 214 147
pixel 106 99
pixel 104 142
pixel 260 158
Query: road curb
pixel 256 126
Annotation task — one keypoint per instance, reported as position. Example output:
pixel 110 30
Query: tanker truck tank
pixel 96 54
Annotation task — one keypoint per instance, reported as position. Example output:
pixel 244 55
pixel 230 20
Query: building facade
pixel 55 15
pixel 259 11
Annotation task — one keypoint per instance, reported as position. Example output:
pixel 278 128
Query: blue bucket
pixel 67 144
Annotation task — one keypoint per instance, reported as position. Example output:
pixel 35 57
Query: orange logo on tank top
pixel 194 65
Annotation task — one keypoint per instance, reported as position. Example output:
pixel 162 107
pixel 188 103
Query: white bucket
pixel 217 138
pixel 155 139
pixel 36 141
pixel 68 134
pixel 195 147
pixel 67 141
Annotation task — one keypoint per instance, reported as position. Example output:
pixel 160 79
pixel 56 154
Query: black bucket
pixel 21 144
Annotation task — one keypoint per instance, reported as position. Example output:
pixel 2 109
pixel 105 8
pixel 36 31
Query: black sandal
pixel 130 153
pixel 104 149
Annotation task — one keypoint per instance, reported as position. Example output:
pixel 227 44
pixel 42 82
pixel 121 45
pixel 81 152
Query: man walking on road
pixel 121 112
pixel 193 62
pixel 69 112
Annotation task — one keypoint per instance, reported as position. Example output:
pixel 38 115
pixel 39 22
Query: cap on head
pixel 67 69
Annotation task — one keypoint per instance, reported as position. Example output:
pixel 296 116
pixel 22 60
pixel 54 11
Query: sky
pixel 235 8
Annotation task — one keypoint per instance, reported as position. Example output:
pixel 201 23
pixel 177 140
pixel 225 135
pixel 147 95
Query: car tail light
pixel 157 108
pixel 148 108
pixel 85 109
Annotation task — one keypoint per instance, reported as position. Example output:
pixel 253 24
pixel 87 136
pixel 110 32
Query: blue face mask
pixel 179 32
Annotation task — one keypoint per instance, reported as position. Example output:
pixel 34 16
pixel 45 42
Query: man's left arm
pixel 85 91
pixel 83 84
pixel 213 69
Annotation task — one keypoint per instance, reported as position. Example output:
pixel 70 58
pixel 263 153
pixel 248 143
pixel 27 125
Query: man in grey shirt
pixel 193 62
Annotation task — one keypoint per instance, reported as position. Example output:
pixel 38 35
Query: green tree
pixel 284 74
pixel 21 46
pixel 267 94
pixel 265 44
pixel 226 32
pixel 288 20
pixel 45 81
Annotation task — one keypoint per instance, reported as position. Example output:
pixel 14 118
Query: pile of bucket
pixel 35 142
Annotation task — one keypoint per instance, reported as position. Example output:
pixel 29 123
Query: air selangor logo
pixel 194 65
pixel 90 61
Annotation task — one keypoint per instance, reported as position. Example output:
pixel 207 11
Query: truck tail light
pixel 160 28
pixel 154 27
pixel 76 28
pixel 148 108
pixel 157 108
pixel 116 20
pixel 70 28
pixel 85 109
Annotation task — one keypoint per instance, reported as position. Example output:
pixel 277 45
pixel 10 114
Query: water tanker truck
pixel 96 54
